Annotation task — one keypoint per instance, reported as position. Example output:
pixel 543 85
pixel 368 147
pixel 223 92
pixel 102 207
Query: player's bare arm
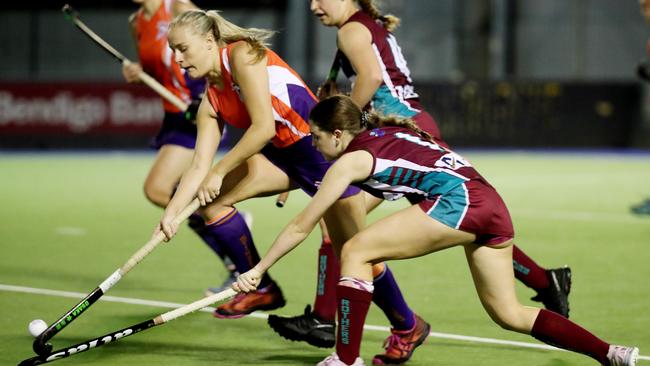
pixel 350 168
pixel 355 41
pixel 252 78
pixel 207 142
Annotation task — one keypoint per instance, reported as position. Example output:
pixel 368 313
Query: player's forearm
pixel 364 89
pixel 288 239
pixel 250 144
pixel 187 188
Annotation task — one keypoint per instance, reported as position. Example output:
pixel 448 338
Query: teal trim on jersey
pixel 451 207
pixel 385 103
pixel 407 175
pixel 447 188
pixel 398 174
pixel 433 183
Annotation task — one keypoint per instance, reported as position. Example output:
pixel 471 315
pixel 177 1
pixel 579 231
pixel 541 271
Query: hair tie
pixel 365 118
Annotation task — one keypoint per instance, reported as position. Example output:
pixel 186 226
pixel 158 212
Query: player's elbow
pixel 374 79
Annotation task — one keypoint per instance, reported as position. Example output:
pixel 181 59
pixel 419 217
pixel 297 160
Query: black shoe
pixel 642 208
pixel 305 328
pixel 556 297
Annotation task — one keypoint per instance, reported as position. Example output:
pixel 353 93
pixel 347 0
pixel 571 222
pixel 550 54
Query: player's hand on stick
pixel 192 109
pixel 167 226
pixel 131 72
pixel 327 89
pixel 210 188
pixel 247 282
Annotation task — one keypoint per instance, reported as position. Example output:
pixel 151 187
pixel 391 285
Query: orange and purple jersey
pixel 291 99
pixel 157 58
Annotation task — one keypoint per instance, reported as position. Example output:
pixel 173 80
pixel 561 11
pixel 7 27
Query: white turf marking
pixel 164 304
pixel 71 231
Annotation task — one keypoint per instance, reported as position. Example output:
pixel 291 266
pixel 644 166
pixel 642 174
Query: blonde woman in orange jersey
pixel 177 136
pixel 249 87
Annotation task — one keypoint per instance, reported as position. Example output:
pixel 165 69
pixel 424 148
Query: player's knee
pixel 354 252
pixel 508 318
pixel 156 194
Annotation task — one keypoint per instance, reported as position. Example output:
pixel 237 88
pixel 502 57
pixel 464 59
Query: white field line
pixel 165 304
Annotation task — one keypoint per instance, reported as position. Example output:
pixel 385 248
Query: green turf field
pixel 68 221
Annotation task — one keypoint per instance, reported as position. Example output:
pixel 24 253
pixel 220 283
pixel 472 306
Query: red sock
pixel 353 307
pixel 527 271
pixel 328 277
pixel 559 331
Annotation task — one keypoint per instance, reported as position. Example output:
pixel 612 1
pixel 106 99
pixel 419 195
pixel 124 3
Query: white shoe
pixel 622 356
pixel 334 360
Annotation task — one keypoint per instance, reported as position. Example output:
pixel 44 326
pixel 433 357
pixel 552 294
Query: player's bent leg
pixel 379 242
pixel 316 327
pixel 170 163
pixel 494 280
pixel 552 285
pixel 371 202
pixel 344 219
pixel 491 269
pixel 167 169
pixel 255 177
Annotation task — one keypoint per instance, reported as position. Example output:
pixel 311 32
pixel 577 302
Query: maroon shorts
pixel 474 207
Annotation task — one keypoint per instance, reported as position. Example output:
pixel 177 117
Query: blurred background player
pixel 177 136
pixel 249 87
pixel 643 71
pixel 371 58
pixel 389 156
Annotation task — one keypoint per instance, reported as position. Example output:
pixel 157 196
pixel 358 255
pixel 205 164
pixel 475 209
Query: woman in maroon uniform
pixel 369 55
pixel 453 205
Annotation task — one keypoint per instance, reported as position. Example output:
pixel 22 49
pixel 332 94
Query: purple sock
pixel 197 224
pixel 233 234
pixel 389 298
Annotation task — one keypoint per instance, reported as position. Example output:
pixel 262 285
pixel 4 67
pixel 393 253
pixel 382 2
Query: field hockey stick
pixel 41 347
pixel 73 16
pixel 331 77
pixel 282 199
pixel 125 332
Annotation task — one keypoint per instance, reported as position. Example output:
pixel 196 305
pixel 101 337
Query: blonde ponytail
pixel 203 22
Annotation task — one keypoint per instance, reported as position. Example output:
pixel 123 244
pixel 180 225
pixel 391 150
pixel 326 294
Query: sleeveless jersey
pixel 396 94
pixel 404 164
pixel 157 58
pixel 291 99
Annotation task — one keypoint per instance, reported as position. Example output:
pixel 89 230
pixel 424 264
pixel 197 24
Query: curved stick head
pixel 40 347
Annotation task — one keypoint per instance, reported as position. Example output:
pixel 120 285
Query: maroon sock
pixel 328 278
pixel 559 331
pixel 527 271
pixel 353 307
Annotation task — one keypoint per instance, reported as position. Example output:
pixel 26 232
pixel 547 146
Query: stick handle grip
pixel 162 91
pixel 159 88
pixel 197 305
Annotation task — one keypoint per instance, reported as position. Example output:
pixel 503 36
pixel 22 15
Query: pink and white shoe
pixel 622 356
pixel 334 360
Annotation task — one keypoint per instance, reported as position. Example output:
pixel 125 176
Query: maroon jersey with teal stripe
pixel 406 164
pixel 396 94
pixel 444 185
